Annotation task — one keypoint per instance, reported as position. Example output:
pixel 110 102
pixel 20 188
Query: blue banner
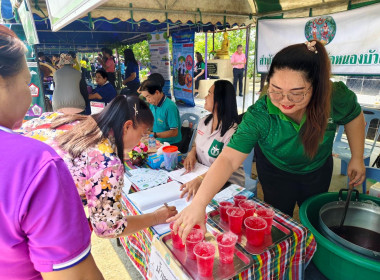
pixel 183 67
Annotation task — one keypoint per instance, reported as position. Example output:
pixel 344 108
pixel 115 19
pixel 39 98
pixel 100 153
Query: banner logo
pixel 321 28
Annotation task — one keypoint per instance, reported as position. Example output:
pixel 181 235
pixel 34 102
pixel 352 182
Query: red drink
pixel 249 207
pixel 267 214
pixel 226 246
pixel 255 230
pixel 223 206
pixel 177 241
pixel 238 198
pixel 195 236
pixel 235 219
pixel 205 252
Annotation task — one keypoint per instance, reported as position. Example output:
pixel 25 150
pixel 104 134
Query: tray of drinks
pixel 276 234
pixel 221 267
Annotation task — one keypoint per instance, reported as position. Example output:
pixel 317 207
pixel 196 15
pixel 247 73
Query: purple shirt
pixel 43 225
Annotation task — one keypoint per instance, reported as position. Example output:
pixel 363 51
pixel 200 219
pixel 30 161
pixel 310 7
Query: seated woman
pixel 104 91
pixel 68 98
pixel 93 148
pixel 213 133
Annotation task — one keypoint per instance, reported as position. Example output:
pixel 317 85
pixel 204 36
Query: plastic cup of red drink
pixel 205 253
pixel 238 198
pixel 255 230
pixel 226 246
pixel 223 206
pixel 195 236
pixel 177 241
pixel 235 219
pixel 267 214
pixel 249 206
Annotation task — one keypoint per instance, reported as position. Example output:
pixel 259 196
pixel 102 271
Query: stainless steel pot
pixel 364 215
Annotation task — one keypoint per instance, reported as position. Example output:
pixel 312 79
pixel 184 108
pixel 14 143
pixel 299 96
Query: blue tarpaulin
pixel 6 9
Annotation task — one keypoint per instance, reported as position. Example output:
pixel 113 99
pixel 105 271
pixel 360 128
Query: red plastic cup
pixel 267 214
pixel 235 219
pixel 195 236
pixel 226 246
pixel 249 206
pixel 223 206
pixel 205 253
pixel 177 241
pixel 238 198
pixel 255 230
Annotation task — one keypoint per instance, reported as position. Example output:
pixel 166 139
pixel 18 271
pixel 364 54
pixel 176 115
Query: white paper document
pixel 178 175
pixel 145 178
pixel 156 197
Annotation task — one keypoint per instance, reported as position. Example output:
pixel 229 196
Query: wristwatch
pixel 155 134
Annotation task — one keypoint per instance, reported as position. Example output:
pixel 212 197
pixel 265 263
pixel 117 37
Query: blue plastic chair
pixel 250 184
pixel 371 173
pixel 193 121
pixel 341 149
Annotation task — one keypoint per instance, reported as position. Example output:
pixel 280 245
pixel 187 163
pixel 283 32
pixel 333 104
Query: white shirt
pixel 210 145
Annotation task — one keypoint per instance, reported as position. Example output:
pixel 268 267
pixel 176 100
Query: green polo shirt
pixel 279 137
pixel 166 117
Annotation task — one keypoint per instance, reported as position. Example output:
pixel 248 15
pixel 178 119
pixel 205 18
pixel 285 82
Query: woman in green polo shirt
pixel 292 129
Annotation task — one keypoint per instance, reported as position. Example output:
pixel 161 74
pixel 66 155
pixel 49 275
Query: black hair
pixel 129 56
pixel 199 57
pixel 102 73
pixel 12 52
pixel 72 53
pixel 40 54
pixel 55 54
pixel 157 78
pixel 151 86
pixel 225 106
pixel 92 129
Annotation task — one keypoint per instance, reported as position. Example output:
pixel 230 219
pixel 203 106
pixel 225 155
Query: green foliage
pixel 236 37
pixel 140 50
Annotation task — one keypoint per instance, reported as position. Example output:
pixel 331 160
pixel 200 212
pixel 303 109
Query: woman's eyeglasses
pixel 295 97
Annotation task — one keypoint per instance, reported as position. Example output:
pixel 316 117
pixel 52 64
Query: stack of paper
pixel 180 176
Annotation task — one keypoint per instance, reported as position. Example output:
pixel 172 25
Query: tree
pixel 236 37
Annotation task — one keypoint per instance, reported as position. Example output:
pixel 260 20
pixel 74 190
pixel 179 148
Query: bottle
pixel 151 141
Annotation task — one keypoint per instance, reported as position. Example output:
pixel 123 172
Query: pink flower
pixel 137 149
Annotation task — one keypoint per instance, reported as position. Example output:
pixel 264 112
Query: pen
pixel 185 172
pixel 166 205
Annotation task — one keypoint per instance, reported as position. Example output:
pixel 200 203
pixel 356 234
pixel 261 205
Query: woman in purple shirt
pixel 44 232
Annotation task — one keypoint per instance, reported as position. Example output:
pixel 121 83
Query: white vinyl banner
pixel 352 39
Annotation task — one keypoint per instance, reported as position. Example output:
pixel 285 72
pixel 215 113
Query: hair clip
pixel 136 111
pixel 311 46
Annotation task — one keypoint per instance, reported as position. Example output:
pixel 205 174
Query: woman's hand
pixel 189 217
pixel 163 213
pixel 190 188
pixel 356 172
pixel 190 161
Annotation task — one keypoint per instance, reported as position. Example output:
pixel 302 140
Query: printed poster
pixel 352 39
pixel 183 67
pixel 37 107
pixel 159 57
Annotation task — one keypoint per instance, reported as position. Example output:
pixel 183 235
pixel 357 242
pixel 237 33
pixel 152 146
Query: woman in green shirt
pixel 293 129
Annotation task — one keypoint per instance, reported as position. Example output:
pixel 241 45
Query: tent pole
pixel 247 35
pixel 254 66
pixel 206 55
pixel 118 70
